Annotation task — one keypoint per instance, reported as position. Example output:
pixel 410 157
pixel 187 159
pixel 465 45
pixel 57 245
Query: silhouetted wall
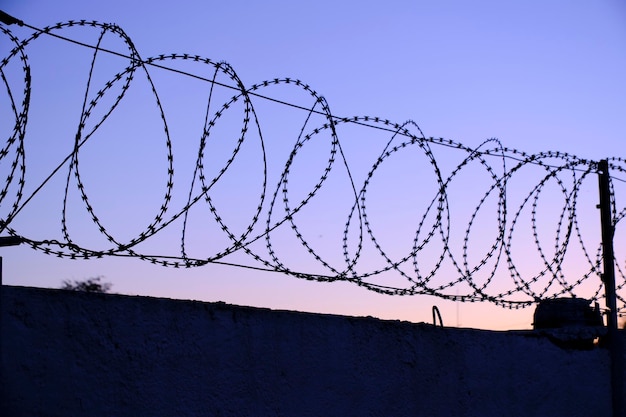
pixel 77 354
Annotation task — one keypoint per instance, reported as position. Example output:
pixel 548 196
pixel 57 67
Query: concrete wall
pixel 78 354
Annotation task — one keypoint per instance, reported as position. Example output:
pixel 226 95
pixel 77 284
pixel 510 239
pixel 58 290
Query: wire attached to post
pixel 7 19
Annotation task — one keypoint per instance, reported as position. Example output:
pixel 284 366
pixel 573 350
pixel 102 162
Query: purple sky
pixel 536 75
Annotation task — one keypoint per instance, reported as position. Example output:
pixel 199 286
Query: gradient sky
pixel 537 75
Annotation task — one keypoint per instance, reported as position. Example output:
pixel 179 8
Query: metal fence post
pixel 613 340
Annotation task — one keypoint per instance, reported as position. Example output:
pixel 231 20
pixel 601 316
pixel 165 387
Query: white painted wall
pixel 76 354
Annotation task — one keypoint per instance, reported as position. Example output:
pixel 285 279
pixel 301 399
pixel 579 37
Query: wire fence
pixel 359 199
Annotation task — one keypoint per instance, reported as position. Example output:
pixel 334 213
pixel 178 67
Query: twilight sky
pixel 538 76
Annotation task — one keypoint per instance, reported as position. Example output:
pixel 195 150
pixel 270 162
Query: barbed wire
pixel 449 255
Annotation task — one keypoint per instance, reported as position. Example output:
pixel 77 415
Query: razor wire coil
pixel 279 207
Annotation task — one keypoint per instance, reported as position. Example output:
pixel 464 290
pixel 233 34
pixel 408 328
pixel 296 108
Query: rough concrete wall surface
pixel 78 354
